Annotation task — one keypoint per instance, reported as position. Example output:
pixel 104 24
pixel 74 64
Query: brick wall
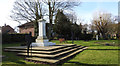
pixel 28 27
pixel 27 30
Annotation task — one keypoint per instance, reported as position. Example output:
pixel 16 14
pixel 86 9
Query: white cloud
pixel 86 18
pixel 98 0
pixel 6 7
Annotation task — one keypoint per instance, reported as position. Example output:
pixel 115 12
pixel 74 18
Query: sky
pixel 84 11
pixel 5 10
pixel 87 9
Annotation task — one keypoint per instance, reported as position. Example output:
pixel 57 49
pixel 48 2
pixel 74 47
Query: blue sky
pixel 84 11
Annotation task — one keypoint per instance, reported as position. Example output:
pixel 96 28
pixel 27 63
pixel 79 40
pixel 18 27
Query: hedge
pixel 85 37
pixel 12 38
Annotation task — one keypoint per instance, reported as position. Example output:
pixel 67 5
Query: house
pixel 29 27
pixel 7 29
pixel 0 29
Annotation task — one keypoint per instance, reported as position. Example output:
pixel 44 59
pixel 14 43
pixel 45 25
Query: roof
pixel 7 29
pixel 28 24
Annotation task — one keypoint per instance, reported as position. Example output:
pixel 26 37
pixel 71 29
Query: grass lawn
pixel 97 54
pixel 11 58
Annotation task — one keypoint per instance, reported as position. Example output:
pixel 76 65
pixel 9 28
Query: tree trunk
pixel 35 28
pixel 50 21
pixel 103 35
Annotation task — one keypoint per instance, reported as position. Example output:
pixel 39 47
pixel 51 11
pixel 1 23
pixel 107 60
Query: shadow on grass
pixel 83 64
pixel 12 57
pixel 18 62
pixel 96 45
pixel 102 49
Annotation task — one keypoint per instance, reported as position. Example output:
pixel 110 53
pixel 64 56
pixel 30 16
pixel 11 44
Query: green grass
pixel 11 58
pixel 96 54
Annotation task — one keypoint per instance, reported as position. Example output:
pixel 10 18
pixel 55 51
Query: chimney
pixel 5 24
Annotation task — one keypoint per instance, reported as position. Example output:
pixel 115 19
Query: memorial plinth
pixel 42 38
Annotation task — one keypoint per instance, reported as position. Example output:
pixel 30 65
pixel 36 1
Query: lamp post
pixel 72 31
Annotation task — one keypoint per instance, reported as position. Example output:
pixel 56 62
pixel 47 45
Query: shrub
pixel 12 38
pixel 88 37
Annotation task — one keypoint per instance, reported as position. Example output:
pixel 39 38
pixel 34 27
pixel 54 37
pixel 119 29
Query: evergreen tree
pixel 77 31
pixel 62 25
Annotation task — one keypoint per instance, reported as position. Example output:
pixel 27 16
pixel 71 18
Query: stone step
pixel 56 61
pixel 43 52
pixel 51 56
pixel 73 53
pixel 46 48
pixel 42 60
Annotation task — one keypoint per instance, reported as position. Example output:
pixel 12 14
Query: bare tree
pixel 54 5
pixel 72 17
pixel 92 28
pixel 32 10
pixel 101 22
pixel 28 10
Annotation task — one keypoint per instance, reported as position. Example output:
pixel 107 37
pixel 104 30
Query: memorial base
pixel 42 42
